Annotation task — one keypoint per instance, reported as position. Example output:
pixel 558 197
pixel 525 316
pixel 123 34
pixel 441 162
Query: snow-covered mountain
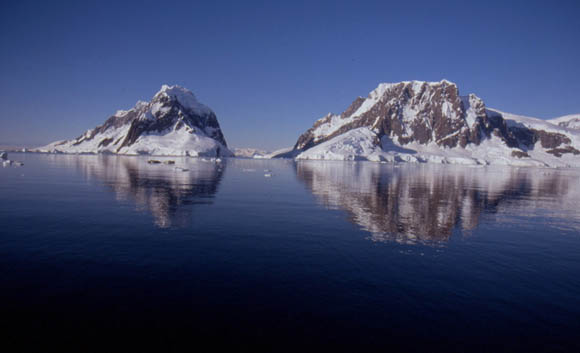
pixel 172 123
pixel 250 153
pixel 418 121
pixel 567 121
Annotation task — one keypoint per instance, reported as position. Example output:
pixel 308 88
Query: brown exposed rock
pixel 353 107
pixel 529 137
pixel 551 139
pixel 558 152
pixel 520 154
pixel 105 142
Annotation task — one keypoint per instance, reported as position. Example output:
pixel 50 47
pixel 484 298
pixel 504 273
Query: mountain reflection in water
pixel 408 204
pixel 164 190
pixel 426 203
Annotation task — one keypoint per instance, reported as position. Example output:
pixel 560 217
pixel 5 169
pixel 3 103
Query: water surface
pixel 109 252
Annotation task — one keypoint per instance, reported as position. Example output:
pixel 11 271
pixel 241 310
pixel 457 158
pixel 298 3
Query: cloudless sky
pixel 270 69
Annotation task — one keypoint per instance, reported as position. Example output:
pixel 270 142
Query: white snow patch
pixel 568 121
pixel 470 114
pixel 185 97
pixel 175 143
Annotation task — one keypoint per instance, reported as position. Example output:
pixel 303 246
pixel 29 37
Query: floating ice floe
pixel 8 163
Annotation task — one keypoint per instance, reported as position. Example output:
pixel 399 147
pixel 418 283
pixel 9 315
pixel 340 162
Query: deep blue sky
pixel 270 69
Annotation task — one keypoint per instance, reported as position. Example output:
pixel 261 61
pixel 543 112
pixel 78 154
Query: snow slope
pixel 568 121
pixel 359 144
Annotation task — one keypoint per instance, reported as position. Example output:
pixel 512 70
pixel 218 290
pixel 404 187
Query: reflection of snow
pixel 425 203
pixel 166 191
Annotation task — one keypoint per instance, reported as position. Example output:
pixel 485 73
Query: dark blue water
pixel 105 253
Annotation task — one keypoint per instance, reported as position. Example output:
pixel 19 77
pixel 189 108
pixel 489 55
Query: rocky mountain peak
pixel 432 117
pixel 171 95
pixel 406 111
pixel 173 122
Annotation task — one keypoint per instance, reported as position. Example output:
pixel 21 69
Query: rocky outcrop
pixel 419 112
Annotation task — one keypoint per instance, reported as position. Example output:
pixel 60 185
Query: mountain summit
pixel 172 123
pixel 419 121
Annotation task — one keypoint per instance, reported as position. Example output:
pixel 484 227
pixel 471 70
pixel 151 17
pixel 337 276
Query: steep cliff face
pixel 429 119
pixel 420 112
pixel 172 123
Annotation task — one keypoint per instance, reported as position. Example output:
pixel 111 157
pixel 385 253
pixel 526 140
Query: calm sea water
pixel 110 253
